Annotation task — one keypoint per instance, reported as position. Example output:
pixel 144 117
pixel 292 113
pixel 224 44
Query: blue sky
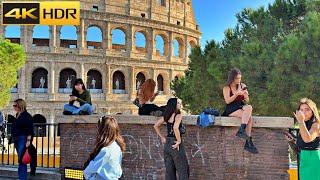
pixel 213 17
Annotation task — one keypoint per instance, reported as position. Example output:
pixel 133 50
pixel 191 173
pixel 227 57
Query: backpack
pixel 207 117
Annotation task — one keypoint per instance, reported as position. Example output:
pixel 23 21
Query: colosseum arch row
pixel 95 35
pixel 123 80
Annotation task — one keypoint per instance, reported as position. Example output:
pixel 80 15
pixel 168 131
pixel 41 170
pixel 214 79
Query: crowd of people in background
pixel 105 161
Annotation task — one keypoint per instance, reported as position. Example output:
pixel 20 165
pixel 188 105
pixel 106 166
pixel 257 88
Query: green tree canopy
pixel 276 48
pixel 12 57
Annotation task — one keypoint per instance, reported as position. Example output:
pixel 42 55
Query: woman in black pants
pixel 175 158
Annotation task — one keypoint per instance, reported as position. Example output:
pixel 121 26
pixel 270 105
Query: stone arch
pixel 118 82
pixel 67 78
pixel 94 81
pixel 40 125
pixel 178 45
pixel 13 33
pixel 141 40
pixel 68 36
pixel 94 37
pixel 118 38
pixel 191 44
pixel 161 44
pixel 41 35
pixel 39 80
pixel 160 84
pixel 166 82
pixel 140 79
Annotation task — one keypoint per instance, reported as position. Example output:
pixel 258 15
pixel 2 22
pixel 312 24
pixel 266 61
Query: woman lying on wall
pixel 145 97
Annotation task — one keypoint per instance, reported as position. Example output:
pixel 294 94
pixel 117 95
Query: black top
pixel 170 132
pixel 23 125
pixel 315 144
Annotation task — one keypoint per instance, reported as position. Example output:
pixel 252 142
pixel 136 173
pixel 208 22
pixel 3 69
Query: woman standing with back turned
pixel 175 158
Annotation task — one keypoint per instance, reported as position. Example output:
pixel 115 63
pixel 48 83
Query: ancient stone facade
pixel 110 70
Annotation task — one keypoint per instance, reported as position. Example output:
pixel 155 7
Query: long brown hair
pixel 108 132
pixel 313 108
pixel 232 75
pixel 147 89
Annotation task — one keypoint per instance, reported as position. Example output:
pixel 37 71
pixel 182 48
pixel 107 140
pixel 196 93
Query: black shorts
pixel 232 107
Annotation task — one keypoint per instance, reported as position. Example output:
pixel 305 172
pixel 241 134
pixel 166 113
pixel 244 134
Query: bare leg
pixel 247 112
pixel 237 113
pixel 249 127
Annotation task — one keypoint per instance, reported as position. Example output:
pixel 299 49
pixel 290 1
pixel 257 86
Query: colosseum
pixel 56 55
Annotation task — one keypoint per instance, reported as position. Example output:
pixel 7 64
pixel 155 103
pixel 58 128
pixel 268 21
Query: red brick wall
pixel 213 153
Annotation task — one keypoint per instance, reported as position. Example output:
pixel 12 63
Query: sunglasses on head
pixel 104 117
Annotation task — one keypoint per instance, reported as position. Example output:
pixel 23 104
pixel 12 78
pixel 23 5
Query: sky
pixel 213 17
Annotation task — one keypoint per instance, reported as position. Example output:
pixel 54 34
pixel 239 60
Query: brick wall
pixel 213 153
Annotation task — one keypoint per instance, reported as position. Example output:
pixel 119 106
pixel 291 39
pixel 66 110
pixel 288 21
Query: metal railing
pixel 47 144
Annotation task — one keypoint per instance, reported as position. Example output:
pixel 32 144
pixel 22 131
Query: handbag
pixel 26 159
pixel 182 128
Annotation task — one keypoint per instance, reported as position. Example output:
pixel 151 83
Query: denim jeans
pixel 75 110
pixel 20 144
pixel 175 161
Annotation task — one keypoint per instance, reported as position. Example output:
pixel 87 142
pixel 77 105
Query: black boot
pixel 67 113
pixel 249 146
pixel 242 132
pixel 83 113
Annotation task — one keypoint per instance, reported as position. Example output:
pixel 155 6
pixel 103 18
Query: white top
pixel 106 165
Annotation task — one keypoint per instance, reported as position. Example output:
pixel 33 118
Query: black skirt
pixel 232 107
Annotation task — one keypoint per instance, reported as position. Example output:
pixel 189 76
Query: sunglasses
pixel 15 105
pixel 104 117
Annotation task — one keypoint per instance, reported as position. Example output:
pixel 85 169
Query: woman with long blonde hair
pixel 106 159
pixel 308 140
pixel 22 134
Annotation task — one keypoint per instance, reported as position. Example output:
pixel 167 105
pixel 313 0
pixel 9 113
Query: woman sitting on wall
pixel 82 95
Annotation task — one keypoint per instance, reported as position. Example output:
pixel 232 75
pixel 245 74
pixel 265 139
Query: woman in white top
pixel 105 160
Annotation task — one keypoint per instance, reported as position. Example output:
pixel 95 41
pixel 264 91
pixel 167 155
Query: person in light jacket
pixel 105 160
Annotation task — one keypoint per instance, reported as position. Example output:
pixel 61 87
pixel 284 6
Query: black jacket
pixel 23 125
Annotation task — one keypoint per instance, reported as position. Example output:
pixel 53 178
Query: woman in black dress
pixel 236 97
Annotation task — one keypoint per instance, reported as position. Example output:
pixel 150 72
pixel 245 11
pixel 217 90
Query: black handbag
pixel 182 128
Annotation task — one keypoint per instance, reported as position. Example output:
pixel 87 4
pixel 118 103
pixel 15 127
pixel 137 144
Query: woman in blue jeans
pixel 22 133
pixel 82 95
